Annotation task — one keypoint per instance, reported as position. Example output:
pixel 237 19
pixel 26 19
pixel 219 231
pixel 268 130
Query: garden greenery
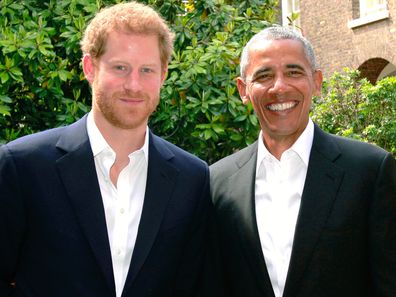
pixel 351 106
pixel 42 84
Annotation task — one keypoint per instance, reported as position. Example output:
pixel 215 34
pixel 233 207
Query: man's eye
pixel 147 70
pixel 294 73
pixel 262 77
pixel 120 68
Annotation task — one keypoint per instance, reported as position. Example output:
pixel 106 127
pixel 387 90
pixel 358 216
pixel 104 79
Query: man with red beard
pixel 103 207
pixel 301 213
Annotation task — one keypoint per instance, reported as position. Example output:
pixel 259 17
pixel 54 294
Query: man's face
pixel 280 84
pixel 126 80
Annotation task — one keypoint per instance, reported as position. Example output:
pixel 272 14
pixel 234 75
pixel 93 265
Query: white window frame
pixel 286 13
pixel 370 14
pixel 366 10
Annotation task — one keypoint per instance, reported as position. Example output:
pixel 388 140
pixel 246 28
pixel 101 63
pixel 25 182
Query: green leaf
pixel 5 99
pixel 16 6
pixel 63 75
pixel 16 71
pixel 4 77
pixel 5 110
pixel 240 118
pixel 253 120
pixel 236 137
pixel 218 129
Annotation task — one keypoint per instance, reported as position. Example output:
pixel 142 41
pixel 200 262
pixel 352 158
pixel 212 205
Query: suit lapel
pixel 320 189
pixel 242 184
pixel 161 179
pixel 77 171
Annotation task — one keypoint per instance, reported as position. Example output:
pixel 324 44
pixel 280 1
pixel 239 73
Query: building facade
pixel 359 34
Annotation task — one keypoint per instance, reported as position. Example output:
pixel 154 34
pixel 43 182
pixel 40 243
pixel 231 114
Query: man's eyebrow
pixel 295 66
pixel 261 70
pixel 153 65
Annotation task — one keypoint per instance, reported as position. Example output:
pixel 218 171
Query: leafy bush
pixel 201 109
pixel 353 107
pixel 42 84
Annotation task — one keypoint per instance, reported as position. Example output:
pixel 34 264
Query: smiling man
pixel 103 207
pixel 300 213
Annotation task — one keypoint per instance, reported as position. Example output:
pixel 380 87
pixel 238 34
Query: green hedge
pixel 42 85
pixel 353 107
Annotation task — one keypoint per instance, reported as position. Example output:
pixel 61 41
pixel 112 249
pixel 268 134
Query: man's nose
pixel 133 81
pixel 279 85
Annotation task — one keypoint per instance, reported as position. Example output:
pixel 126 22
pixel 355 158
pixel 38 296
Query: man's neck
pixel 123 142
pixel 278 145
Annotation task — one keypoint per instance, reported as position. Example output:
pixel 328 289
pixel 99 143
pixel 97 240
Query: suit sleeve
pixel 188 283
pixel 382 230
pixel 213 277
pixel 11 222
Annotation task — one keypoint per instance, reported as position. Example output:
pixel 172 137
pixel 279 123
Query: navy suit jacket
pixel 53 232
pixel 345 237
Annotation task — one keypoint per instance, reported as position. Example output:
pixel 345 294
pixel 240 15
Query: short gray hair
pixel 277 33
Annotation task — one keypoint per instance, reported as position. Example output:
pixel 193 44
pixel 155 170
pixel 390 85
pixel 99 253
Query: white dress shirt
pixel 278 190
pixel 122 204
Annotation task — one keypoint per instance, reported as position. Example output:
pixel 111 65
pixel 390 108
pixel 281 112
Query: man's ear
pixel 318 79
pixel 164 74
pixel 241 85
pixel 88 68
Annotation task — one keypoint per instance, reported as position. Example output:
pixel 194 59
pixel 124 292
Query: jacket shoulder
pixel 352 148
pixel 227 166
pixel 177 154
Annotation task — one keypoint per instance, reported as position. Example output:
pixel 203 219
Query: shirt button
pixel 122 210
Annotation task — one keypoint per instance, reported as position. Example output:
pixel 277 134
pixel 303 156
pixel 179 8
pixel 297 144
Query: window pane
pixel 289 7
pixel 371 6
pixel 297 5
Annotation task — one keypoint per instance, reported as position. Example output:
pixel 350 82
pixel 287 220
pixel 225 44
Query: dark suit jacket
pixel 53 232
pixel 345 238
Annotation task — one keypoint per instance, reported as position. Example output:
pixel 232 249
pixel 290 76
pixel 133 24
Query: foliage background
pixel 352 107
pixel 42 85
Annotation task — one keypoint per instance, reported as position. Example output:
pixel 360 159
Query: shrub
pixel 42 84
pixel 353 107
pixel 200 108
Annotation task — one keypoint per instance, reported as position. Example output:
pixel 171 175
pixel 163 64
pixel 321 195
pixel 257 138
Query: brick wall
pixel 368 48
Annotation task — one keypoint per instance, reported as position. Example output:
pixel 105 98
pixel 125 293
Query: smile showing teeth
pixel 281 106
